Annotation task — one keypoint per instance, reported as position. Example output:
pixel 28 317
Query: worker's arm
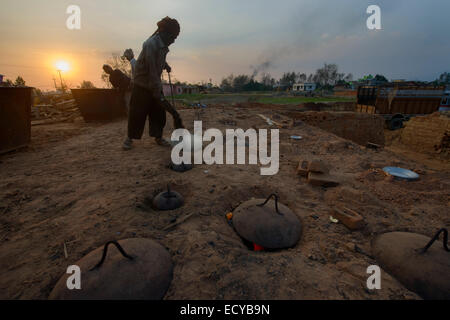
pixel 133 67
pixel 167 67
pixel 154 81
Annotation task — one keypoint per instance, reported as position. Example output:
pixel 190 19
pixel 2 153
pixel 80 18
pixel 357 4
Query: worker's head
pixel 107 69
pixel 128 54
pixel 168 29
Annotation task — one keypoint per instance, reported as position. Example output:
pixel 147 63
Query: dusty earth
pixel 75 185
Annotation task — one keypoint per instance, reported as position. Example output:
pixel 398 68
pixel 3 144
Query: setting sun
pixel 62 65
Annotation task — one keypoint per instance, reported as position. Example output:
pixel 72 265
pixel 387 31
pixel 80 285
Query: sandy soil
pixel 82 189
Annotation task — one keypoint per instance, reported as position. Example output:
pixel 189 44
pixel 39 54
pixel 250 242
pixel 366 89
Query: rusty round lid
pixel 267 223
pixel 418 262
pixel 180 167
pixel 168 200
pixel 135 268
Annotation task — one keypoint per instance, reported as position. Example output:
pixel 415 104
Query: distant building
pixel 282 87
pixel 190 90
pixel 176 89
pixel 304 87
pixel 214 90
pixel 445 102
pixel 1 78
pixel 179 89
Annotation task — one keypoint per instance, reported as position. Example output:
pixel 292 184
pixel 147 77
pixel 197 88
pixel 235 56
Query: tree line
pixel 325 77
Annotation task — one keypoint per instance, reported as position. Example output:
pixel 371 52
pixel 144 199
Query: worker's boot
pixel 127 144
pixel 178 123
pixel 163 142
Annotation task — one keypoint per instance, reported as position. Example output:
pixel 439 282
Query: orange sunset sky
pixel 229 36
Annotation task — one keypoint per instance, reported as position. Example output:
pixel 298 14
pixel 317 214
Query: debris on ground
pixel 302 168
pixel 349 218
pixel 52 113
pixel 322 179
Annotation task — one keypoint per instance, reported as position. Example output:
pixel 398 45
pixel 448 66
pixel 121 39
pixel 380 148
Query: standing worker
pixel 129 55
pixel 117 78
pixel 147 99
pixel 120 81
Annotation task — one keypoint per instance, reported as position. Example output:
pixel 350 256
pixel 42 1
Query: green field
pixel 299 100
pixel 267 98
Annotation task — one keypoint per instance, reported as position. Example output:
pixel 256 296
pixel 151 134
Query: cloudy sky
pixel 228 36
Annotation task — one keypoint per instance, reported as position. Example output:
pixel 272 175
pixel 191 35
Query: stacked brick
pixel 346 93
pixel 427 133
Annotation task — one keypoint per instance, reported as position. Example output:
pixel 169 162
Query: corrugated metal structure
pixel 399 100
pixel 398 103
pixel 15 117
pixel 100 104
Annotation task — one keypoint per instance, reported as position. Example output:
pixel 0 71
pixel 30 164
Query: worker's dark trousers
pixel 143 105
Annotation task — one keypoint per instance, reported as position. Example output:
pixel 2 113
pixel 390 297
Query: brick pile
pixel 427 134
pixel 346 93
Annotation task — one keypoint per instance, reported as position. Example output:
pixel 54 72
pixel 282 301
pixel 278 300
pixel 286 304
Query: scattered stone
pixel 351 246
pixel 333 219
pixel 322 180
pixel 302 168
pixel 375 146
pixel 318 166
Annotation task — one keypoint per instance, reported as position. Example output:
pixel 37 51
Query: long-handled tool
pixel 171 108
pixel 171 89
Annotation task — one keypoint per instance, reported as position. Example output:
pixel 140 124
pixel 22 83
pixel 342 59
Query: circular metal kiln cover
pixel 426 273
pixel 146 277
pixel 264 226
pixel 168 200
pixel 400 173
pixel 183 167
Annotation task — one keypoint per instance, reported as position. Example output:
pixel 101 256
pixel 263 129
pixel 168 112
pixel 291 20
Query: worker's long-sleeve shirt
pixel 119 80
pixel 133 67
pixel 151 63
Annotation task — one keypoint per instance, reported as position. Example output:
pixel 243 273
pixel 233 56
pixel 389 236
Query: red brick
pixel 302 168
pixel 318 167
pixel 349 218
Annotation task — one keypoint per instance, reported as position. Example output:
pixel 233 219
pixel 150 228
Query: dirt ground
pixel 76 185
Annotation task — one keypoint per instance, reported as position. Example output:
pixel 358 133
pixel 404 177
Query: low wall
pixel 346 93
pixel 330 106
pixel 357 127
